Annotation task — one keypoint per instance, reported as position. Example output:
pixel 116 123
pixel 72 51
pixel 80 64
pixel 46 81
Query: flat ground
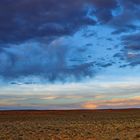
pixel 70 125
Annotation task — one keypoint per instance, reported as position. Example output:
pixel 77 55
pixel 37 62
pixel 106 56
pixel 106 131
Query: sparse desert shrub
pixel 116 139
pixel 137 136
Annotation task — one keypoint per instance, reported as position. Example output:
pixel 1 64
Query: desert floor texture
pixel 70 125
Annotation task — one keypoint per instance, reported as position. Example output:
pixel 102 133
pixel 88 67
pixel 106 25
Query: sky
pixel 65 54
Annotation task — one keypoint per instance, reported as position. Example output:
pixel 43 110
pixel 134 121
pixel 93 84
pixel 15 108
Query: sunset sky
pixel 69 54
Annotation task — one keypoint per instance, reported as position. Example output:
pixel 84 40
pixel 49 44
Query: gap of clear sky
pixel 69 54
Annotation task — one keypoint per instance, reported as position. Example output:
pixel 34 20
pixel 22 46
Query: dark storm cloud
pixel 34 19
pixel 131 51
pixel 45 21
pixel 48 62
pixel 132 37
pixel 126 24
pixel 132 1
pixel 104 15
pixel 103 9
pixel 109 4
pixel 133 59
pixel 127 28
pixel 125 16
pixel 132 42
pixel 25 19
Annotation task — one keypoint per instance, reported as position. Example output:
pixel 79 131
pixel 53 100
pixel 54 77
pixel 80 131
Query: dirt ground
pixel 70 125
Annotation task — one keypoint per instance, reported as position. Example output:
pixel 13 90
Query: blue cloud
pixel 31 35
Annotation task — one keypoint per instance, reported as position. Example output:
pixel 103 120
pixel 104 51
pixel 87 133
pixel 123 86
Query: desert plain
pixel 122 124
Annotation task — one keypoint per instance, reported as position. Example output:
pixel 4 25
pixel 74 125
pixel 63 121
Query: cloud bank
pixel 37 38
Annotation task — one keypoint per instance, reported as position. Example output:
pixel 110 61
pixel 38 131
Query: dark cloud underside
pixel 30 32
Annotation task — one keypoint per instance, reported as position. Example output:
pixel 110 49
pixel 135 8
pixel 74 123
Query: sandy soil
pixel 70 125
